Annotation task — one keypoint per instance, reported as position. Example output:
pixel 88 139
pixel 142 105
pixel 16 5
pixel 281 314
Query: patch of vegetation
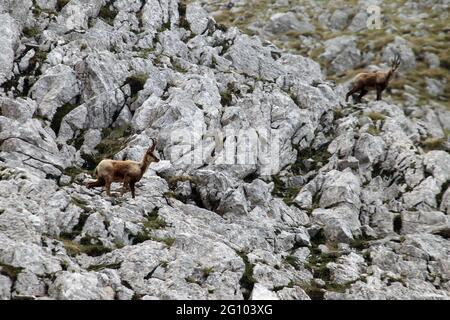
pixel 170 194
pixel 31 32
pixel 312 290
pixel 36 9
pixel 136 82
pixel 145 235
pixel 375 116
pixel 83 204
pixel 183 23
pixel 247 281
pixel 281 190
pixel 191 279
pixel 242 17
pixel 76 231
pixel 173 180
pixel 226 96
pixel 113 140
pixel 78 140
pixel 168 241
pixel 360 243
pixel 153 221
pixel 317 264
pixel 99 267
pixel 318 260
pixel 108 13
pixel 206 272
pixel 94 250
pixel 10 271
pixel 61 112
pixel 433 144
pixel 319 156
pixel 200 279
pixel 145 54
pixel 293 261
pixel 39 57
pixel 373 130
pixel 178 67
pixel 72 172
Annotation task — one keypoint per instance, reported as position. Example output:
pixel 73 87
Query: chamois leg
pixel 108 186
pixel 126 181
pixel 352 91
pixel 132 187
pixel 362 93
pixel 379 91
pixel 100 182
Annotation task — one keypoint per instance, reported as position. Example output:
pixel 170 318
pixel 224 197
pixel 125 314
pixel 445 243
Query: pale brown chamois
pixel 127 171
pixel 376 80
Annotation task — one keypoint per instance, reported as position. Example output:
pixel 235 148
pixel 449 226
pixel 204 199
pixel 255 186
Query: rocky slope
pixel 358 209
pixel 336 35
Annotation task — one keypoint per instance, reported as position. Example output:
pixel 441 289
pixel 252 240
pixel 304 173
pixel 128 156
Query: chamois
pixel 126 171
pixel 378 80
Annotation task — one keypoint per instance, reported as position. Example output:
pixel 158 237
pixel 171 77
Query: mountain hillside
pixel 342 200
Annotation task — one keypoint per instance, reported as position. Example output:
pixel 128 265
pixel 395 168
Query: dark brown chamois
pixel 376 80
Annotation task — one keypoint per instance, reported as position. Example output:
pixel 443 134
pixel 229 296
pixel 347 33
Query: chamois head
pixel 395 62
pixel 149 155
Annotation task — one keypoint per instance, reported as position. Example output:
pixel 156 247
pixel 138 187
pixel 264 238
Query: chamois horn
pixel 395 62
pixel 152 148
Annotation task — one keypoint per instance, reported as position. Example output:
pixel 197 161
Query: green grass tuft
pixel 375 116
pixel 247 280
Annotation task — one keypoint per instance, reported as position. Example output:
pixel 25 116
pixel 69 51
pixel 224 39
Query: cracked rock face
pixel 354 205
